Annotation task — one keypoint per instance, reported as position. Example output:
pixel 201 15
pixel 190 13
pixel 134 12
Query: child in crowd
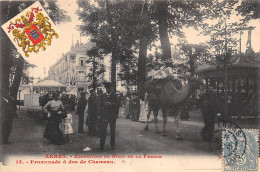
pixel 67 124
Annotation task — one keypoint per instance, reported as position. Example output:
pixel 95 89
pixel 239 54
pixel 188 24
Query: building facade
pixel 73 69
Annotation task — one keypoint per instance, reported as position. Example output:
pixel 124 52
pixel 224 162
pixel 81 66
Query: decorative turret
pixel 249 49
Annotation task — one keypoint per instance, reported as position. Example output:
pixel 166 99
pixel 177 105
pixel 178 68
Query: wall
pixel 31 99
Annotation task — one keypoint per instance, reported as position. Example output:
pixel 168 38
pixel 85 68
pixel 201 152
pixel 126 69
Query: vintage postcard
pixel 123 85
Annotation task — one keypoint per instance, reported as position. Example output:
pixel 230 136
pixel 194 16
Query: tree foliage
pixel 195 53
pixel 97 68
pixel 120 26
pixel 249 9
pixel 129 70
pixel 115 27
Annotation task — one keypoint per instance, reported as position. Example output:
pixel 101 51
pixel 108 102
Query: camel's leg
pixel 177 126
pixel 155 112
pixel 147 121
pixel 164 113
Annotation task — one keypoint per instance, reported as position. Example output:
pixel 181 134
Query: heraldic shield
pixel 31 31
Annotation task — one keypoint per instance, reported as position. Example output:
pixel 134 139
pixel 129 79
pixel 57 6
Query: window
pixel 81 62
pixel 243 85
pixel 81 71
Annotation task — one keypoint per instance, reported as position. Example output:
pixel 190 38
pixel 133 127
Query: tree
pixel 249 9
pixel 6 46
pixel 129 74
pixel 147 35
pixel 107 22
pixel 129 71
pixel 195 53
pixel 162 17
pixel 172 16
pixel 223 42
pixel 97 68
pixel 8 10
pixel 120 26
pixel 98 23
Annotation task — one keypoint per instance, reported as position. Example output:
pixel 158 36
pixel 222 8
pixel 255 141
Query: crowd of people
pixel 69 101
pixel 102 110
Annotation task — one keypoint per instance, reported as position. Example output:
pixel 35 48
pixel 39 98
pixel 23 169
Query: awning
pixel 48 83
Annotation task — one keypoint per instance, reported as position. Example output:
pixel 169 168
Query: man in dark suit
pixel 8 113
pixel 82 103
pixel 92 113
pixel 108 113
pixel 98 100
pixel 209 109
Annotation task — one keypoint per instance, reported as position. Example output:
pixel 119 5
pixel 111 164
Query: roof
pixel 82 48
pixel 79 48
pixel 48 83
pixel 234 61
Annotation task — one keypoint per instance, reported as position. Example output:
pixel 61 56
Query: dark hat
pixel 134 94
pixel 191 78
pixel 55 93
pixel 99 91
pixel 108 85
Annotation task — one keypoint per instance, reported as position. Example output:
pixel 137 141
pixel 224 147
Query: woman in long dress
pixel 134 108
pixel 127 108
pixel 52 131
pixel 144 110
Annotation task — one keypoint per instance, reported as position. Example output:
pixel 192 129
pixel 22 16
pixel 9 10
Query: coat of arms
pixel 31 31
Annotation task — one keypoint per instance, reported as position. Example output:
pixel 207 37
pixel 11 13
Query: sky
pixel 68 32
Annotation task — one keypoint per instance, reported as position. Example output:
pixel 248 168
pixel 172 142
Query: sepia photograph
pixel 130 85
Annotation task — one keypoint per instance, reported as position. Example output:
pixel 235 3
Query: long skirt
pixel 135 112
pixel 127 112
pixel 144 114
pixel 52 131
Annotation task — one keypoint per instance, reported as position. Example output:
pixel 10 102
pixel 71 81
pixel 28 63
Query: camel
pixel 170 99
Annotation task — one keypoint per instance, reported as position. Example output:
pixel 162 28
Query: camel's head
pixel 195 82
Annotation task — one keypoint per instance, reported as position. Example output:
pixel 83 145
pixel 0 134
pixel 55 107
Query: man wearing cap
pixel 108 113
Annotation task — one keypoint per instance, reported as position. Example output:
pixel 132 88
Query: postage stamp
pixel 221 126
pixel 240 150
